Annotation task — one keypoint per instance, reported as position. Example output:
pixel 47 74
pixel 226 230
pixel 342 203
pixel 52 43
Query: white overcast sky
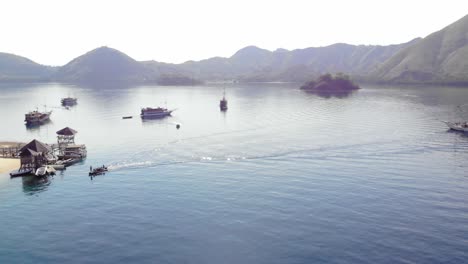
pixel 53 32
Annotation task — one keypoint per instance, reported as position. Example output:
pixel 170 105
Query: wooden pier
pixel 10 149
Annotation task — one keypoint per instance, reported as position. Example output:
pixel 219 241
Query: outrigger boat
pixel 458 126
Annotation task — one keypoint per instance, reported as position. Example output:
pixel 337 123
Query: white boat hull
pixel 155 115
pixel 41 171
pixel 44 170
pixel 459 126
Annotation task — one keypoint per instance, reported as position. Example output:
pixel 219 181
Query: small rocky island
pixel 328 83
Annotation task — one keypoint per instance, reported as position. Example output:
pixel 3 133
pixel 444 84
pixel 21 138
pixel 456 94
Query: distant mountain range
pixel 441 57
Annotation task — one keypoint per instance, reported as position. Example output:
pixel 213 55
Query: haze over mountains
pixel 441 57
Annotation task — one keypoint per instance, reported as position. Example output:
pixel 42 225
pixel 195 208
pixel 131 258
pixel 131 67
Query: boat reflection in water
pixel 33 185
pixel 331 93
pixel 37 126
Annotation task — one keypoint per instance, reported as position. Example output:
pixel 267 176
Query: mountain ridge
pixel 441 57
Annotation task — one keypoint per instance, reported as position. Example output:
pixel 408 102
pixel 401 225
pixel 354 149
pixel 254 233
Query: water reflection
pixel 96 86
pixel 331 93
pixel 37 126
pixel 461 133
pixel 33 185
pixel 156 120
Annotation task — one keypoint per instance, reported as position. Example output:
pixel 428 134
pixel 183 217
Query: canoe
pixel 21 173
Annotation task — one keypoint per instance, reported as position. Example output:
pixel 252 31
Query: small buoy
pixel 177 126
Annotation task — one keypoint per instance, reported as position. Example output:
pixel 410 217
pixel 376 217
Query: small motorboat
pixel 127 117
pixel 98 171
pixel 458 126
pixel 21 172
pixel 41 171
pixel 45 170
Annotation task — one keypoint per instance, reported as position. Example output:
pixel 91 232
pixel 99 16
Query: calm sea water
pixel 281 177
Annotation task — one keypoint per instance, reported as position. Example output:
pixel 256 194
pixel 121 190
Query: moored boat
pixel 21 172
pixel 45 170
pixel 158 112
pixel 41 171
pixel 57 166
pixel 36 117
pixel 69 101
pixel 458 126
pixel 223 102
pixel 67 162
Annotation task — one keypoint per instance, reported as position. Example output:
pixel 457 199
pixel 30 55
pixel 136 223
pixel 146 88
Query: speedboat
pixel 158 112
pixel 98 171
pixel 458 126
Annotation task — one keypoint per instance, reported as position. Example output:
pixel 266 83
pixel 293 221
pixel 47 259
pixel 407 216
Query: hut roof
pixel 36 146
pixel 67 132
pixel 29 152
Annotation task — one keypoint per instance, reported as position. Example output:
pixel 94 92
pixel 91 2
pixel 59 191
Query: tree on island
pixel 328 83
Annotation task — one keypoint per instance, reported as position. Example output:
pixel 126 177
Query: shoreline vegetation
pixel 327 82
pixel 327 85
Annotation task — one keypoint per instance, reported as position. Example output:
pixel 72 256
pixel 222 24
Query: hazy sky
pixel 53 32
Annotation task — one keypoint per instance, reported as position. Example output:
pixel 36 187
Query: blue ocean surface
pixel 282 176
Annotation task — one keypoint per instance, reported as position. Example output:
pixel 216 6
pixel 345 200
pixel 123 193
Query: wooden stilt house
pixel 34 155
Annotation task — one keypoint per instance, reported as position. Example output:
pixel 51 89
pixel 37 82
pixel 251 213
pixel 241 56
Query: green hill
pixel 441 57
pixel 255 64
pixel 17 68
pixel 104 64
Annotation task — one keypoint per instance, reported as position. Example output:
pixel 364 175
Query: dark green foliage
pixel 338 83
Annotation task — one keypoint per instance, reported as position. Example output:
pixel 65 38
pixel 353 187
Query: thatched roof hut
pixel 36 146
pixel 67 132
pixel 34 154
